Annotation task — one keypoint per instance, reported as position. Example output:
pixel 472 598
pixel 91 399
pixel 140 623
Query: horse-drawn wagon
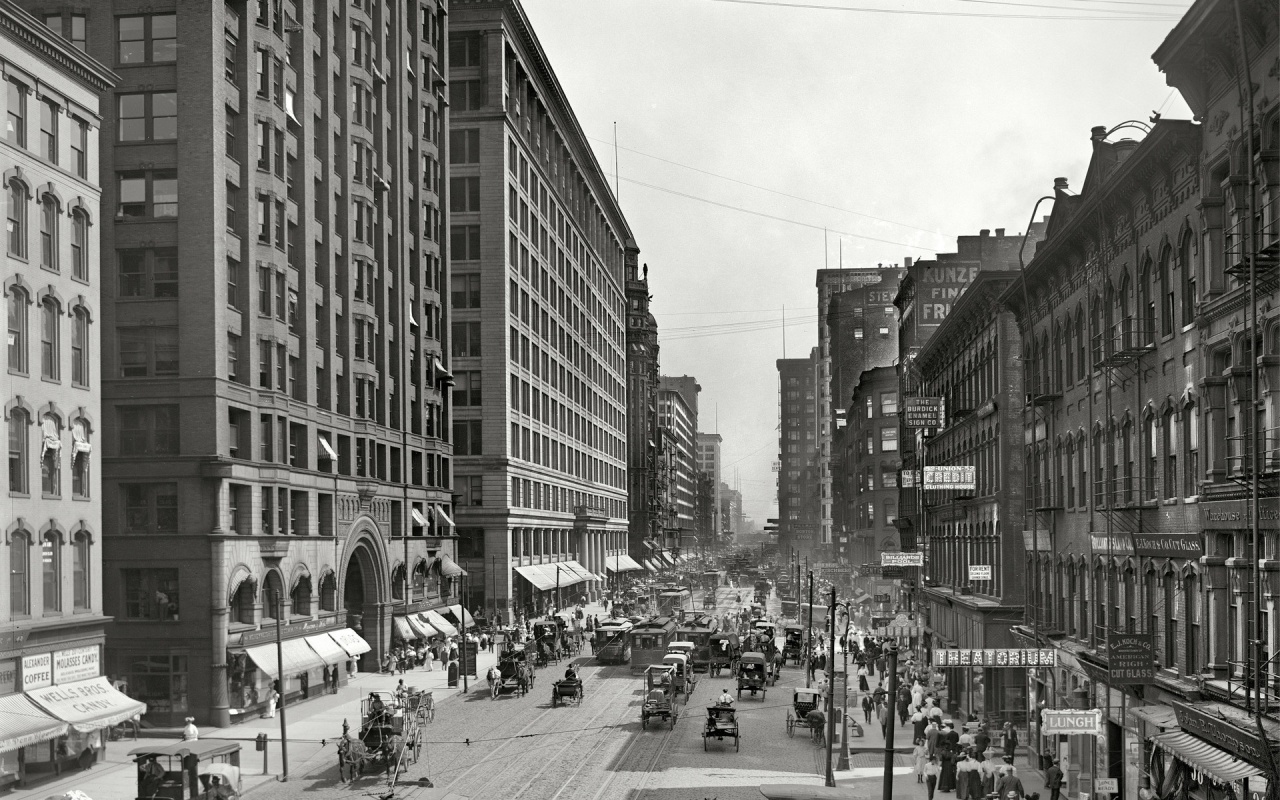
pixel 722 723
pixel 659 696
pixel 513 672
pixel 390 736
pixel 753 674
pixel 806 712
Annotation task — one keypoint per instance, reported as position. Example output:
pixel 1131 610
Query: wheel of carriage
pixel 705 738
pixel 674 716
pixel 737 740
pixel 644 720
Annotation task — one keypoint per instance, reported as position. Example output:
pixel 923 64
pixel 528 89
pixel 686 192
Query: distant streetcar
pixel 649 640
pixel 612 642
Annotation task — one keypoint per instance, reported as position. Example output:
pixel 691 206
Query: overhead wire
pixel 940 13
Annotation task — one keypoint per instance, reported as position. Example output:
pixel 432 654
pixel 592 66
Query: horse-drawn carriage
pixel 725 648
pixel 513 672
pixel 722 723
pixel 390 736
pixel 753 674
pixel 757 610
pixel 682 677
pixel 709 601
pixel 806 712
pixel 568 691
pixel 793 646
pixel 165 770
pixel 659 695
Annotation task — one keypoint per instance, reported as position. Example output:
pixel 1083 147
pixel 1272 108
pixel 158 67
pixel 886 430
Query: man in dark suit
pixel 1053 780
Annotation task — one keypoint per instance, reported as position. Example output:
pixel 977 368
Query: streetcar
pixel 673 601
pixel 649 640
pixel 612 642
pixel 698 629
pixel 710 581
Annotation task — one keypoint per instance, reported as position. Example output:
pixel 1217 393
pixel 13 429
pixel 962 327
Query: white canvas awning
pixel 87 705
pixel 294 655
pixel 327 448
pixel 621 563
pixel 443 516
pixel 327 649
pixel 440 623
pixel 418 519
pixel 350 641
pixel 534 574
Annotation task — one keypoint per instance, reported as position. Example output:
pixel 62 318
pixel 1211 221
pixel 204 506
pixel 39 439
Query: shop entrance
pixel 361 595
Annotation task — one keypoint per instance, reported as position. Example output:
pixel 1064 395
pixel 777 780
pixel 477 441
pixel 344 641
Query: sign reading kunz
pixel 1130 659
pixel 922 412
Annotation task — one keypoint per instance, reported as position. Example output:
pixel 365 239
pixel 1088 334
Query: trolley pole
pixel 284 733
pixel 462 620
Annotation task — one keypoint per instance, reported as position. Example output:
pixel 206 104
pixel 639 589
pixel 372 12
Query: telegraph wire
pixel 924 13
pixel 779 192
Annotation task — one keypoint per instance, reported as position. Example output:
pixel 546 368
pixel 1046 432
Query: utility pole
pixel 284 733
pixel 808 638
pixel 888 733
pixel 831 690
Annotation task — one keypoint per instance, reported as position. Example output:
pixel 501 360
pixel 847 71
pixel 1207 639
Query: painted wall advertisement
pixel 37 671
pixel 75 664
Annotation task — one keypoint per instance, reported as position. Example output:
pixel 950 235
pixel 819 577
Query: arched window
pixel 1068 353
pixel 242 602
pixel 80 347
pixel 1190 451
pixel 397 583
pixel 17 219
pixel 1069 493
pixel 17 301
pixel 1082 345
pixel 1147 285
pixel 20 574
pixel 1147 491
pixel 328 592
pixel 1099 470
pixel 19 447
pixel 49 232
pixel 81 448
pixel 272 596
pixel 1186 260
pixel 49 339
pixel 1168 294
pixel 1169 447
pixel 81 570
pixel 51 571
pixel 50 449
pixel 1191 603
pixel 301 596
pixel 1098 330
pixel 80 245
pixel 420 579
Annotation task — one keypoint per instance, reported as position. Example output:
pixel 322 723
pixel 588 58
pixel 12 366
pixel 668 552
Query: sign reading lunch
pixel 1070 721
pixel 995 658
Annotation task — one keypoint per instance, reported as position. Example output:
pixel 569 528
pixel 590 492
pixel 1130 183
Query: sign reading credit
pixel 950 477
pixel 995 658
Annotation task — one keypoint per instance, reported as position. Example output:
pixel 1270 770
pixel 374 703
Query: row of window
pixel 18 301
pixel 51 550
pixel 52 255
pixel 527 493
pixel 50 142
pixel 50 434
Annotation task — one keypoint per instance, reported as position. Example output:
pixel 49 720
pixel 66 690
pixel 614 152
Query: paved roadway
pixel 520 747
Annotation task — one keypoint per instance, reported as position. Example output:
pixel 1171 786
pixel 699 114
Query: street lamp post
pixel 284 733
pixel 888 734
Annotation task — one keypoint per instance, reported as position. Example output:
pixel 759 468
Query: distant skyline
pixel 760 141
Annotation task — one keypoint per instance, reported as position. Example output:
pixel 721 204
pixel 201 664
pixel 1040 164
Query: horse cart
pixel 753 675
pixel 390 737
pixel 567 691
pixel 513 673
pixel 709 601
pixel 722 723
pixel 725 648
pixel 659 696
pixel 793 645
pixel 806 712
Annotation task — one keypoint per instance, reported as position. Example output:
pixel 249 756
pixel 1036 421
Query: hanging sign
pixel 1002 657
pixel 1130 659
pixel 915 559
pixel 922 412
pixel 954 477
pixel 1106 785
pixel 1067 722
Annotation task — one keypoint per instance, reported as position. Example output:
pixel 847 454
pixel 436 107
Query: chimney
pixel 906 262
pixel 1098 133
pixel 985 232
pixel 999 233
pixel 1059 188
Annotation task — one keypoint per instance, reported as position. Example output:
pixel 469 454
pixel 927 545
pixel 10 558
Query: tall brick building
pixel 642 415
pixel 798 508
pixel 274 308
pixel 541 244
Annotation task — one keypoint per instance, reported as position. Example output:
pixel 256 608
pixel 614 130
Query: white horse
pixel 494 676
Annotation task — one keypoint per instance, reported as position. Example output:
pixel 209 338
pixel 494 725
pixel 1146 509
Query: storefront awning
pixel 1160 716
pixel 442 517
pixel 88 705
pixel 421 628
pixel 664 558
pixel 582 572
pixel 327 649
pixel 457 614
pixel 449 568
pixel 862 597
pixel 621 563
pixel 536 576
pixel 294 656
pixel 403 629
pixel 22 722
pixel 649 544
pixel 1204 758
pixel 648 564
pixel 350 641
pixel 440 623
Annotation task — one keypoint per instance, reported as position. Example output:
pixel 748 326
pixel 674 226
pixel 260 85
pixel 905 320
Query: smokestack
pixel 906 262
pixel 999 233
pixel 984 232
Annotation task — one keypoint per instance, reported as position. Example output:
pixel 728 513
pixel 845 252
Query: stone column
pixel 219 704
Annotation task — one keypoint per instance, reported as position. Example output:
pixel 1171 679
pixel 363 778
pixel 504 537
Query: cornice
pixel 39 39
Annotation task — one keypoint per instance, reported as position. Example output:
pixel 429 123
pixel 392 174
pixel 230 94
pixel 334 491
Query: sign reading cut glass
pixel 1130 659
pixel 922 412
pixel 915 559
pixel 950 477
pixel 995 658
pixel 1070 721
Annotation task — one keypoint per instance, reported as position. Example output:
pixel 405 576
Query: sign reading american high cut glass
pixel 1070 721
pixel 1131 659
pixel 1003 657
pixel 950 477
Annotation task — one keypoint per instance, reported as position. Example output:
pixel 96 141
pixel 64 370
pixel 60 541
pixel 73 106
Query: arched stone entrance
pixel 364 589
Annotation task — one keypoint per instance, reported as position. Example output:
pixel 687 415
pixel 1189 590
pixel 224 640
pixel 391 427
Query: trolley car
pixel 699 629
pixel 649 640
pixel 611 643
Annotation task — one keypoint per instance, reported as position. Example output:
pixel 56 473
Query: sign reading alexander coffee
pixel 1130 659
pixel 1070 721
pixel 1210 723
pixel 37 671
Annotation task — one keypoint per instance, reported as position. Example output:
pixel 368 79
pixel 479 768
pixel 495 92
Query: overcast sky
pixel 745 128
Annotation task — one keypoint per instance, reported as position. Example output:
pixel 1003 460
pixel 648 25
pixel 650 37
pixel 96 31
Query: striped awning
pixel 456 614
pixel 403 629
pixel 22 722
pixel 1204 758
pixel 440 623
pixel 88 705
pixel 327 649
pixel 421 627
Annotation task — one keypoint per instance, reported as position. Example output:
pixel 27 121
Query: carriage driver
pixel 725 699
pixel 571 674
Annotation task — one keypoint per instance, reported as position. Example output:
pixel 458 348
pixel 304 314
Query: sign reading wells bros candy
pixel 995 658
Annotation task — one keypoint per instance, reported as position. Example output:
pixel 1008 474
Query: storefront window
pixel 160 682
pixel 151 594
